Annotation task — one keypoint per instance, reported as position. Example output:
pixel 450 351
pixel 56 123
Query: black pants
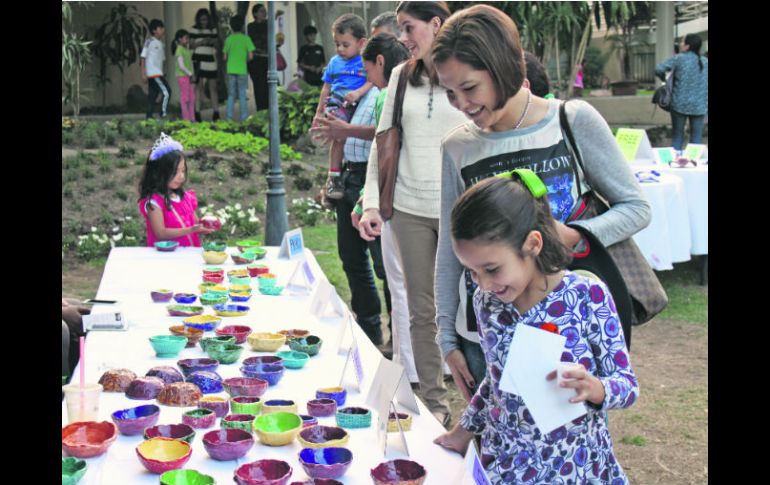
pixel 258 73
pixel 354 253
pixel 158 85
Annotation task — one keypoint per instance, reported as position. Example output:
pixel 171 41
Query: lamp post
pixel 277 222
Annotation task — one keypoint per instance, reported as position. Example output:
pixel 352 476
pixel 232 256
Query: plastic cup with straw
pixel 82 399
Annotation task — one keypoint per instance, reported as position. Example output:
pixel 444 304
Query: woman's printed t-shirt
pixel 184 206
pixel 345 75
pixel 206 55
pixel 513 449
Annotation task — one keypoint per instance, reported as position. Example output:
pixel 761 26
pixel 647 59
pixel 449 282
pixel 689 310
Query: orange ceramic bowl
pixel 88 438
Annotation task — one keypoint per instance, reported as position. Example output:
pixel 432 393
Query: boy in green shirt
pixel 238 49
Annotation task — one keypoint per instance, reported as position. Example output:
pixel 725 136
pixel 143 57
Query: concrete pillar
pixel 664 31
pixel 172 19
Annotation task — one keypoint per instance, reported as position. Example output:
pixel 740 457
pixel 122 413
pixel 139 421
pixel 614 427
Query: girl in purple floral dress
pixel 503 232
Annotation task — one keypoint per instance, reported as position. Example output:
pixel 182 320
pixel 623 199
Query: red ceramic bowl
pixel 263 472
pixel 240 332
pixel 213 277
pixel 88 438
pixel 211 222
pixel 228 443
pixel 220 271
pixel 159 455
pixel 245 386
pixel 322 408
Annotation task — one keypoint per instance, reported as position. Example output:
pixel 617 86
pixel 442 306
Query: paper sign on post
pixel 292 244
pixel 532 355
pixel 664 155
pixel 635 145
pixel 695 151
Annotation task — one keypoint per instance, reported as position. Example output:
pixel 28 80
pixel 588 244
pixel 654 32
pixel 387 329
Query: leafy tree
pixel 75 56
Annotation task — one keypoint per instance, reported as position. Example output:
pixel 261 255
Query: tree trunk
pixel 221 80
pixel 558 60
pixel 581 52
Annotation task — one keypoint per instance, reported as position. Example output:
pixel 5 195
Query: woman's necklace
pixel 430 101
pixel 526 110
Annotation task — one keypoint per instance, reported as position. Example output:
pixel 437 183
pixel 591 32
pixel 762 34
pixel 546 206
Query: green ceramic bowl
pixel 226 354
pixel 245 405
pixel 258 253
pixel 185 477
pixel 216 342
pixel 246 245
pixel 166 346
pixel 240 281
pixel 212 298
pixel 72 470
pixel 217 246
pixel 293 359
pixel 277 429
pixel 310 345
pixel 238 421
pixel 271 290
pixel 242 258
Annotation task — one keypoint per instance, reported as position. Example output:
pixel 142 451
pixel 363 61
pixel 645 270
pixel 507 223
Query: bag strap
pixel 398 103
pixel 569 139
pixel 189 238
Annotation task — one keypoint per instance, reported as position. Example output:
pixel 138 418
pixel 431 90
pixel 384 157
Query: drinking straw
pixel 82 374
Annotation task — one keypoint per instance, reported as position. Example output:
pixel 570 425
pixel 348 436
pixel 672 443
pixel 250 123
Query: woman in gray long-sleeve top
pixel 690 95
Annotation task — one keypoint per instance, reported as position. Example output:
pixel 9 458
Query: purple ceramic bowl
pixel 169 374
pixel 322 408
pixel 161 296
pixel 398 472
pixel 145 388
pixel 207 381
pixel 262 359
pixel 339 394
pixel 189 366
pixel 199 418
pixel 325 462
pixel 263 472
pixel 183 432
pixel 219 405
pixel 318 481
pixel 271 373
pixel 323 434
pixel 132 421
pixel 308 421
pixel 227 444
pixel 245 386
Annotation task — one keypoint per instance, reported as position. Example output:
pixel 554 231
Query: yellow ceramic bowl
pixel 321 437
pixel 279 408
pixel 214 257
pixel 241 288
pixel 266 342
pixel 162 454
pixel 199 319
pixel 406 423
pixel 277 429
pixel 226 313
pixel 238 272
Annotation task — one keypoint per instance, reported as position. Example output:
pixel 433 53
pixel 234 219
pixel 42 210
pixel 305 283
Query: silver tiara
pixel 163 145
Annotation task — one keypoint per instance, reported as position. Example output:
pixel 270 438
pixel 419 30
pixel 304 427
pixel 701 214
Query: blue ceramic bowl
pixel 185 298
pixel 207 381
pixel 240 298
pixel 230 309
pixel 133 421
pixel 271 373
pixel 206 323
pixel 166 346
pixel 308 420
pixel 325 462
pixel 293 359
pixel 166 246
pixel 339 394
pixel 189 366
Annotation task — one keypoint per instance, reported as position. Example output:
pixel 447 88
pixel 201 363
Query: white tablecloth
pixel 129 276
pixel 667 239
pixel 696 187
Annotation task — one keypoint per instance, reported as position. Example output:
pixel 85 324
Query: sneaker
pixel 215 116
pixel 334 189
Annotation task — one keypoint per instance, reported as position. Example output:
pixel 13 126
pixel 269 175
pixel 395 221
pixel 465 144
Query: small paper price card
pixel 292 244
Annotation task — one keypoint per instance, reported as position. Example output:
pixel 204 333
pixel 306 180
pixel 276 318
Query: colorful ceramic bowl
pixel 323 437
pixel 310 345
pixel 193 335
pixel 167 346
pixel 237 273
pixel 263 359
pixel 214 257
pixel 144 388
pixel 271 290
pixel 293 359
pixel 258 253
pixel 72 470
pixel 219 405
pixel 322 408
pixel 266 341
pixel 231 310
pixel 240 280
pixel 183 432
pixel 240 421
pixel 132 421
pixel 116 380
pixel 207 381
pixel 85 439
pixel 240 332
pixel 257 269
pixel 227 444
pixel 239 296
pixel 214 270
pixel 189 366
pixel 169 374
pixel 266 280
pixel 218 341
pixel 216 246
pixel 199 418
pixel 279 406
pixel 186 477
pixel 245 386
pixel 242 258
pixel 339 394
pixel 272 373
pixel 206 323
pixel 204 287
pixel 277 429
pixel 247 244
pixel 161 296
pixel 225 354
pixel 185 298
pixel 353 417
pixel 211 222
pixel 398 472
pixel 210 298
pixel 308 420
pixel 166 246
pixel 240 288
pixel 403 418
pixel 318 481
pixel 180 394
pixel 184 310
pixel 215 278
pixel 325 462
pixel 263 472
pixel 246 405
pixel 220 290
pixel 294 333
pixel 160 455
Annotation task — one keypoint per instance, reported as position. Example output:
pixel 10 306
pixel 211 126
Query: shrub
pixel 66 191
pixel 236 194
pixel 221 174
pixel 252 190
pixel 90 136
pixel 108 184
pixel 122 163
pixel 241 167
pixel 72 162
pixel 202 200
pixel 121 194
pixel 128 130
pixel 109 135
pixel 105 164
pixel 308 212
pixel 140 159
pixel 196 178
pixel 126 151
pixel 295 169
pixel 218 197
pixel 93 245
pixel 107 218
pixel 67 137
pixel 88 173
pixel 302 183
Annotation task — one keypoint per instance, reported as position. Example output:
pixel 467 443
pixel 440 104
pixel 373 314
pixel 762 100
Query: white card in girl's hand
pixel 532 355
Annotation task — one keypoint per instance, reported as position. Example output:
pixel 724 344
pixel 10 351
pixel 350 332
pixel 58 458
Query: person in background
pixel 578 84
pixel 257 31
pixel 238 49
pixel 385 22
pixel 690 95
pixel 203 38
pixel 184 73
pixel 311 58
pixel 537 78
pixel 151 63
pixel 72 312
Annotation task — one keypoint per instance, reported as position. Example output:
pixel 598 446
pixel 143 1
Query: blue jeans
pixel 239 82
pixel 678 121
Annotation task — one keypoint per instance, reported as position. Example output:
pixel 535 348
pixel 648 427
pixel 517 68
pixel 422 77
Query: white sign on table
pixel 695 151
pixel 532 355
pixel 665 155
pixel 292 244
pixel 302 279
pixel 354 356
pixel 389 381
pixel 348 323
pixel 324 295
pixel 635 145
